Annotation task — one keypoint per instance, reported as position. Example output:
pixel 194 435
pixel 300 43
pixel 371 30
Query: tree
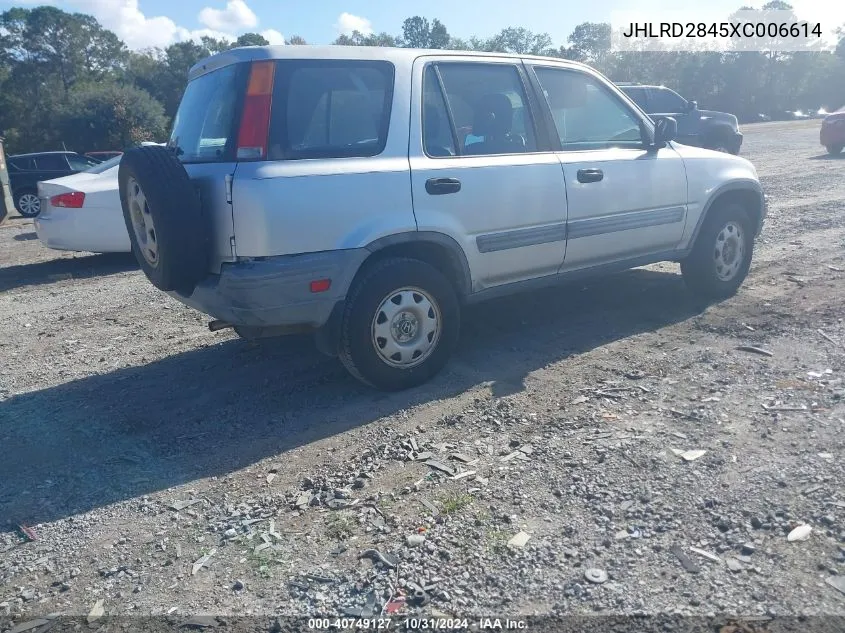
pixel 590 43
pixel 416 32
pixel 297 40
pixel 359 39
pixel 520 41
pixel 110 117
pixel 252 39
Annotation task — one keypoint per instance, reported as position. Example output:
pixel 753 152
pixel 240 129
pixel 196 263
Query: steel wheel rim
pixel 142 222
pixel 729 251
pixel 406 327
pixel 29 204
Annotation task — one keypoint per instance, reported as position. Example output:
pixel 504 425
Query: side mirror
pixel 665 130
pixel 692 105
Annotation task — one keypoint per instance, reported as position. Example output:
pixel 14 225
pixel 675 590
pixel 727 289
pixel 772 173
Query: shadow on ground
pixel 840 156
pixel 12 277
pixel 26 237
pixel 211 411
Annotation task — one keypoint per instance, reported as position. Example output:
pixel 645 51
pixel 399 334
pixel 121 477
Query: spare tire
pixel 164 218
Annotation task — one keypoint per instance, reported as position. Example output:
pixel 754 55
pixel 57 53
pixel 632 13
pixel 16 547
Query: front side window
pixel 330 109
pixel 586 114
pixel 489 108
pixel 204 129
pixel 665 101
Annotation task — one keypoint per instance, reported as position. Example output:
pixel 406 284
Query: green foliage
pixel 66 79
pixel 252 39
pixel 110 116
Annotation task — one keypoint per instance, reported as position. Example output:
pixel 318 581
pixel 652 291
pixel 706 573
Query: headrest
pixel 493 115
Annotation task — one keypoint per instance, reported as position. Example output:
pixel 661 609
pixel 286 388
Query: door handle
pixel 442 186
pixel 590 175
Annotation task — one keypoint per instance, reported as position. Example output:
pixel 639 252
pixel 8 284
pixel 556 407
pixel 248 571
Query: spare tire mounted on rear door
pixel 163 215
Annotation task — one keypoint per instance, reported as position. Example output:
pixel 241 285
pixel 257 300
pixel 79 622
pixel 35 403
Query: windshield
pixel 204 128
pixel 104 166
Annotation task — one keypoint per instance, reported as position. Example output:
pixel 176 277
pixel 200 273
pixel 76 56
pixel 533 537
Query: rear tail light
pixel 255 121
pixel 72 200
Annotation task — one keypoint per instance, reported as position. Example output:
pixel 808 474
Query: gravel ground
pixel 602 448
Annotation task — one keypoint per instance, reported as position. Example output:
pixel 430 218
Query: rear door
pixel 482 169
pixel 204 137
pixel 52 166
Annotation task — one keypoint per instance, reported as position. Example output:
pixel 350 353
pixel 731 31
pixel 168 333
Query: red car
pixel 832 134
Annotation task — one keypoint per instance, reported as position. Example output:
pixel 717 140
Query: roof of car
pixel 374 53
pixel 39 154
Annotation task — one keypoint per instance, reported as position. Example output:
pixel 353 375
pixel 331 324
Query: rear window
pixel 82 163
pixel 106 165
pixel 330 109
pixel 205 128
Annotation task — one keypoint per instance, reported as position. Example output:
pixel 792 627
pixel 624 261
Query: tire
pixel 164 218
pixel 833 150
pixel 27 203
pixel 416 284
pixel 711 270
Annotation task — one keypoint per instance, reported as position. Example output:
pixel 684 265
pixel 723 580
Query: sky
pixel 144 23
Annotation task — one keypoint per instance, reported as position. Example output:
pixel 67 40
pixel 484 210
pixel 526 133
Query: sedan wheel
pixel 28 205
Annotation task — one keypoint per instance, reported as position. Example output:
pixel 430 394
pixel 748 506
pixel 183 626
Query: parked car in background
pixel 701 128
pixel 103 155
pixel 367 194
pixel 832 133
pixel 81 212
pixel 27 170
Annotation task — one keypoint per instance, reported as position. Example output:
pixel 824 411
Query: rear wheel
pixel 721 256
pixel 28 204
pixel 833 150
pixel 400 324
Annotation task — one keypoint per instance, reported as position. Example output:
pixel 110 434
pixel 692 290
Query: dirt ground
pixel 117 404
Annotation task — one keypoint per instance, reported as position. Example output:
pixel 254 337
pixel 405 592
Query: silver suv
pixel 367 194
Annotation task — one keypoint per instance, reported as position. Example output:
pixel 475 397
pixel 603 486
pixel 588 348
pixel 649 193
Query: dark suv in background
pixel 27 170
pixel 702 128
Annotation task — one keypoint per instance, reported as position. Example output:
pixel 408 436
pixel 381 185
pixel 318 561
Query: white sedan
pixel 82 212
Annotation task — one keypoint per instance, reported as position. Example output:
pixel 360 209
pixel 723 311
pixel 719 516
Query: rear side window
pixel 205 128
pixel 52 162
pixel 638 96
pixel 665 101
pixel 330 109
pixel 489 108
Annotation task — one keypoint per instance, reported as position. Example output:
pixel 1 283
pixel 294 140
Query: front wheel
pixel 400 324
pixel 721 256
pixel 833 150
pixel 28 204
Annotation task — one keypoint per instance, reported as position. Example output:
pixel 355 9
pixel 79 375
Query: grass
pixel 454 501
pixel 339 527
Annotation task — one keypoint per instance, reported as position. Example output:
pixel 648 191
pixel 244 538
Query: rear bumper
pixel 736 142
pixel 832 135
pixel 276 292
pixel 95 230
